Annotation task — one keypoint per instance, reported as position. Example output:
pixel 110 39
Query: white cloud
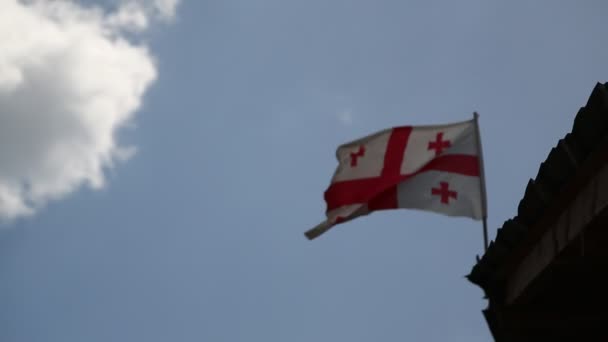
pixel 166 8
pixel 345 116
pixel 69 79
pixel 134 15
pixel 129 16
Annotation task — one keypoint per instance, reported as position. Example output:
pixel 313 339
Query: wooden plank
pixel 588 203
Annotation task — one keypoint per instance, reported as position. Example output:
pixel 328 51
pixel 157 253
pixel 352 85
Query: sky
pixel 161 160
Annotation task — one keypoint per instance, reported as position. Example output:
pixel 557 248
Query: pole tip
pixel 317 231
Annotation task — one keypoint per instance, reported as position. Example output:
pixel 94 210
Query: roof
pixel 569 165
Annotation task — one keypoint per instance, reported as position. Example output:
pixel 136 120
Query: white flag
pixel 435 168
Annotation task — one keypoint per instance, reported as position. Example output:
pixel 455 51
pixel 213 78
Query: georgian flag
pixel 435 168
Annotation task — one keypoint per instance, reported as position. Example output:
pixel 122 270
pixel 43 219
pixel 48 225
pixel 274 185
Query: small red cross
pixel 355 155
pixel 445 192
pixel 439 145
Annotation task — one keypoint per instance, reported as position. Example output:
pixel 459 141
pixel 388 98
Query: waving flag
pixel 435 168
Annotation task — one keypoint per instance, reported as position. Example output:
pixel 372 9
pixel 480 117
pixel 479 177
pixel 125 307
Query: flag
pixel 436 168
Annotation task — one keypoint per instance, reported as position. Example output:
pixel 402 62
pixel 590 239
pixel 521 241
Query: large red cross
pixel 381 192
pixel 439 144
pixel 355 155
pixel 445 192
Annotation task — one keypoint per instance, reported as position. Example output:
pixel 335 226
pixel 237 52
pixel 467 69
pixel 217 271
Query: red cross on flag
pixel 434 168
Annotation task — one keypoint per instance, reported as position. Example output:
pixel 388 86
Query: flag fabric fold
pixel 434 168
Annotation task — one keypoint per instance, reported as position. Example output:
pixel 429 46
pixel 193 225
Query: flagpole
pixel 482 179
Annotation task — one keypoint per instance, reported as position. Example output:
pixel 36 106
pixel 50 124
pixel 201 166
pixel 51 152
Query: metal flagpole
pixel 482 179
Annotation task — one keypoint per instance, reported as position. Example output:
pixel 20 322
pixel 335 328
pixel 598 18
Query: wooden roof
pixel 546 272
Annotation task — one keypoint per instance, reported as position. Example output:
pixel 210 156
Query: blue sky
pixel 199 236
